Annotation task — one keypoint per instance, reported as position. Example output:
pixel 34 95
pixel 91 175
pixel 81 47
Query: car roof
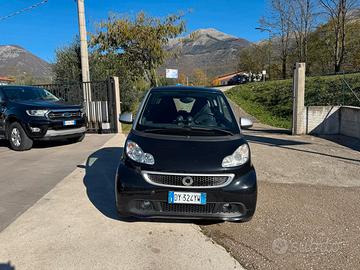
pixel 185 88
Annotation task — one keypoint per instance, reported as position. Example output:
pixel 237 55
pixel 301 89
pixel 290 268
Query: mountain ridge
pixel 16 61
pixel 210 50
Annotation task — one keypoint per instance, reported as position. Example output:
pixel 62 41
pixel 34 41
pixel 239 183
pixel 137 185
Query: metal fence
pixel 339 89
pixel 100 111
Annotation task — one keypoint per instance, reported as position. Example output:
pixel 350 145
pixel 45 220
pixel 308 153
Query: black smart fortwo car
pixel 185 157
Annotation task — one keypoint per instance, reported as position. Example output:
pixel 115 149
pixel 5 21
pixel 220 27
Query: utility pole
pixel 262 29
pixel 84 51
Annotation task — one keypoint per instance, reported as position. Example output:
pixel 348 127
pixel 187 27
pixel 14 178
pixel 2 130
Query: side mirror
pixel 126 118
pixel 245 123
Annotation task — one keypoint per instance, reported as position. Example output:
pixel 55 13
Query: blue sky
pixel 54 24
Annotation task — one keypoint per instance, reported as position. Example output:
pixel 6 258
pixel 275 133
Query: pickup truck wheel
pixel 78 138
pixel 18 139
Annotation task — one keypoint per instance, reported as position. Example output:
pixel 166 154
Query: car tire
pixel 78 138
pixel 19 140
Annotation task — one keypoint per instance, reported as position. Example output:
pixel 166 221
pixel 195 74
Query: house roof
pixel 6 79
pixel 226 76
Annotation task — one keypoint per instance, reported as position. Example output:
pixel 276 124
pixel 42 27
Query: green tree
pixel 67 69
pixel 137 43
pixel 254 58
pixel 200 78
pixel 67 66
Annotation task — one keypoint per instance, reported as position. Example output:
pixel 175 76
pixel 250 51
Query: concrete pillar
pixel 298 123
pixel 117 103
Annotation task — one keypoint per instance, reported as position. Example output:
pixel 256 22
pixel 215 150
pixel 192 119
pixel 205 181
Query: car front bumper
pixel 54 129
pixel 136 198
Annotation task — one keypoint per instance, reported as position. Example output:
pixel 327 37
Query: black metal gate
pixel 100 110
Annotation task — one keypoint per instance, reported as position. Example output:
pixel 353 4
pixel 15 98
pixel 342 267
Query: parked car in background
pixel 185 157
pixel 29 113
pixel 238 79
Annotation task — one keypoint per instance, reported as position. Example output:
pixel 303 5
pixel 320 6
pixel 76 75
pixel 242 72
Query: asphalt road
pixel 225 88
pixel 308 214
pixel 26 176
pixel 76 226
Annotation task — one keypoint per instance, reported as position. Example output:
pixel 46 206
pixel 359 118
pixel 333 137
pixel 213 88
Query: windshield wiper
pixel 187 129
pixel 156 130
pixel 209 129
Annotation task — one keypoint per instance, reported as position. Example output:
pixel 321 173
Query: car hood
pixel 187 154
pixel 51 105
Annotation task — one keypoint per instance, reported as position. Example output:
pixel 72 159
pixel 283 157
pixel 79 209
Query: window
pixel 28 93
pixel 187 111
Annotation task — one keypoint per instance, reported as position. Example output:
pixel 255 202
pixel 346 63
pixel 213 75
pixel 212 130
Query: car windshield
pixel 28 93
pixel 187 113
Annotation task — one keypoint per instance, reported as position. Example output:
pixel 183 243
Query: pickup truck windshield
pixel 187 113
pixel 28 93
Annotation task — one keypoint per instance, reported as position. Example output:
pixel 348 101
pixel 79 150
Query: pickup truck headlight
pixel 239 157
pixel 135 153
pixel 37 112
pixel 83 111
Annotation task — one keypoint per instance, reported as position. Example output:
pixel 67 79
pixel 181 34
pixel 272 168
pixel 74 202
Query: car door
pixel 2 114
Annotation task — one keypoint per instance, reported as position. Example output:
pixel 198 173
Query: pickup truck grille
pixel 64 115
pixel 188 180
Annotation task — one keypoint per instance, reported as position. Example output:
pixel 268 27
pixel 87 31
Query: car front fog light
pixel 238 158
pixel 135 153
pixel 35 129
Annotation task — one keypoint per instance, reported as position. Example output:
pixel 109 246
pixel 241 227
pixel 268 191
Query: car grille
pixel 64 115
pixel 188 208
pixel 189 181
pixel 209 209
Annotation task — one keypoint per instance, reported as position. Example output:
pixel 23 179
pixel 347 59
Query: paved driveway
pixel 75 226
pixel 308 211
pixel 26 176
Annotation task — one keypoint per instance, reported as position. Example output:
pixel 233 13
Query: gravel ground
pixel 308 214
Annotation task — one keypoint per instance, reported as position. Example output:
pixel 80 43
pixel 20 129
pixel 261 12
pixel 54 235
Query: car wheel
pixel 19 140
pixel 78 138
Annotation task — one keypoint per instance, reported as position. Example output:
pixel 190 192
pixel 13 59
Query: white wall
pixel 331 120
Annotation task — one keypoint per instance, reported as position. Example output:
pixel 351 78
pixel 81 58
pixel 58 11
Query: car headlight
pixel 135 153
pixel 239 157
pixel 37 112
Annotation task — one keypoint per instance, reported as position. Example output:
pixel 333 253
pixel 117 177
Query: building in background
pixel 6 80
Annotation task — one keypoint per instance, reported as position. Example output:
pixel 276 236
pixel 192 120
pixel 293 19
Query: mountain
pixel 212 51
pixel 17 62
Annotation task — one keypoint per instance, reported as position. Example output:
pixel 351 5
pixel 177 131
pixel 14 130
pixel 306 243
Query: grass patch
pixel 126 128
pixel 271 102
pixel 260 112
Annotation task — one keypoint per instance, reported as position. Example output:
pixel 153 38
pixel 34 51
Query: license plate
pixel 70 123
pixel 186 197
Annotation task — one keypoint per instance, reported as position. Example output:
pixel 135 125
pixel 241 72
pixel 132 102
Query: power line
pixel 24 10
